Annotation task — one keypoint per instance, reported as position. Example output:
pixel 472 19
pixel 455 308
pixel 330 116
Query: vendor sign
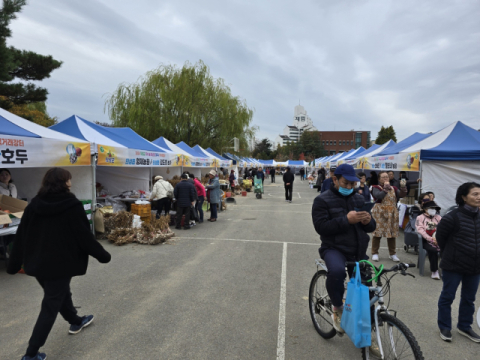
pixel 17 152
pixel 398 162
pixel 116 156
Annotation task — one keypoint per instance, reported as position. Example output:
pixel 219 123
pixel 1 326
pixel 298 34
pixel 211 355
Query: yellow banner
pixel 18 152
pixel 114 156
pixel 398 162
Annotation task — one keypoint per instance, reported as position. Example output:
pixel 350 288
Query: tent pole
pixel 420 183
pixel 94 190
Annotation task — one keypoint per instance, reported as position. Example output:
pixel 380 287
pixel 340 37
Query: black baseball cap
pixel 347 171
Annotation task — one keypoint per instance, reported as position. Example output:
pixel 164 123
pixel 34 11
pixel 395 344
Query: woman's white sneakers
pixel 394 258
pixel 375 257
pixel 436 275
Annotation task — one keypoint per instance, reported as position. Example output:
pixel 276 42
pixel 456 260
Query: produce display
pixel 119 229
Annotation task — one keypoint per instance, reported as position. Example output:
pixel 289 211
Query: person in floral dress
pixel 385 213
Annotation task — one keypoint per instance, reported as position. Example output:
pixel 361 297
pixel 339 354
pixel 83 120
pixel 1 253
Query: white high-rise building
pixel 301 122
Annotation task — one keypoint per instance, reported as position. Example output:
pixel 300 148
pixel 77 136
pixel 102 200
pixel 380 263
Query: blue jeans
pixel 451 281
pixel 198 207
pixel 213 211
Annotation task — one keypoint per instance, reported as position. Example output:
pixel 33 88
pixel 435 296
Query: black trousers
pixel 288 192
pixel 432 253
pixel 57 298
pixel 163 204
pixel 273 178
pixel 183 211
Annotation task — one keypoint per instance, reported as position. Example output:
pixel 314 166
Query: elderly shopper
pixel 7 187
pixel 231 179
pixel 288 179
pixel 426 225
pixel 363 187
pixel 54 242
pixel 213 194
pixel 458 237
pixel 385 213
pixel 185 195
pixel 162 193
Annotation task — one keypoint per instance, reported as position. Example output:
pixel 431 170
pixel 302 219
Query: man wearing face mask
pixel 343 232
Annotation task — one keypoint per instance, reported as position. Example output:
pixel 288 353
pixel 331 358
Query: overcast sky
pixel 352 64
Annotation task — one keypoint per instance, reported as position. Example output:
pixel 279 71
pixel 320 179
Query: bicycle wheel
pixel 397 341
pixel 320 306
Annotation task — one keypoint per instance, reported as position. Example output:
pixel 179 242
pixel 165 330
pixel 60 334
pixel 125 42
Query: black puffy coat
pixel 288 178
pixel 184 193
pixel 458 236
pixel 329 215
pixel 54 239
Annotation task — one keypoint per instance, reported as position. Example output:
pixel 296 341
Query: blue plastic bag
pixel 356 321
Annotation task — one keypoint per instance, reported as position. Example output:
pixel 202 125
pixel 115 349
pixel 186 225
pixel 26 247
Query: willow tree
pixel 182 104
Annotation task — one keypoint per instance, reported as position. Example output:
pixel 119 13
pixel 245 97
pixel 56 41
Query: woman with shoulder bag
pixel 162 193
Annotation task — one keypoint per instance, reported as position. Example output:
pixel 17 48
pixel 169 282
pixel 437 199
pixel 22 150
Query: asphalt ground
pixel 217 292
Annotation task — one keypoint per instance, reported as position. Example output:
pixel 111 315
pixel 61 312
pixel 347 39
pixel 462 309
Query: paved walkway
pixel 234 289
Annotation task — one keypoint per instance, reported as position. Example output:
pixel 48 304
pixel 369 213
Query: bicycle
pixel 391 338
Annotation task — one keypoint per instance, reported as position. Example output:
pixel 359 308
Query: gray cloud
pixel 363 64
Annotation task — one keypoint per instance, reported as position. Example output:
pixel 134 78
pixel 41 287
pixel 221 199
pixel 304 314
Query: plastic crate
pixel 141 210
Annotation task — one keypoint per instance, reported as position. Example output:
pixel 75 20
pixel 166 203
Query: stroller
pixel 410 233
pixel 258 188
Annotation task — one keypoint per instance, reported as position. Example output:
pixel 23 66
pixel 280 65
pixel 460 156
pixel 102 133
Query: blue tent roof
pixel 409 141
pixel 9 128
pixel 123 136
pixel 370 149
pixel 296 162
pixel 210 151
pixel 161 142
pixel 189 150
pixel 463 143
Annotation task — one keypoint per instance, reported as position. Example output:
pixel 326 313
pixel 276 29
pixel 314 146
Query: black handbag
pixel 194 214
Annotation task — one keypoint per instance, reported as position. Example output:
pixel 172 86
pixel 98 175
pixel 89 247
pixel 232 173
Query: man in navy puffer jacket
pixel 343 232
pixel 185 195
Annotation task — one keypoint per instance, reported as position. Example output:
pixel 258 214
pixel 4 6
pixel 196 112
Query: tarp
pixel 297 163
pixel 209 150
pixel 115 146
pixel 456 142
pixel 221 162
pixel 367 151
pixel 26 144
pixel 444 178
pixel 404 144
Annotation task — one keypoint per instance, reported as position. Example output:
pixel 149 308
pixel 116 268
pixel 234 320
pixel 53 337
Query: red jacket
pixel 199 187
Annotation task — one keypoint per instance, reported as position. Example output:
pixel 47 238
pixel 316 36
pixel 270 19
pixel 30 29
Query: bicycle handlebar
pixel 400 266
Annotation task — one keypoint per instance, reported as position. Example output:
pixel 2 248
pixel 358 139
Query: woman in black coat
pixel 53 243
pixel 458 236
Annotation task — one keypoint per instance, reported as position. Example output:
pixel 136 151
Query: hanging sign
pixel 398 162
pixel 18 152
pixel 115 156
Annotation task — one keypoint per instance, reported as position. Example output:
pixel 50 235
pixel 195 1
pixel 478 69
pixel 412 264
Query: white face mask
pixel 431 212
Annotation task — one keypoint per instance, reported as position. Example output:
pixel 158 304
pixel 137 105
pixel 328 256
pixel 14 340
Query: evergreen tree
pixel 385 134
pixel 263 150
pixel 20 65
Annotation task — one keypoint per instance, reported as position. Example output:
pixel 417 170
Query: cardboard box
pixel 13 205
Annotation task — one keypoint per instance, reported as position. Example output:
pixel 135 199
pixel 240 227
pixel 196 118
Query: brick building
pixel 335 142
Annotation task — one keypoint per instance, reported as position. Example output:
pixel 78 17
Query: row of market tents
pixel 120 159
pixel 443 160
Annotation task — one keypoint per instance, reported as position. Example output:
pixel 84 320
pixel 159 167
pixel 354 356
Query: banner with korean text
pixel 398 162
pixel 116 156
pixel 19 152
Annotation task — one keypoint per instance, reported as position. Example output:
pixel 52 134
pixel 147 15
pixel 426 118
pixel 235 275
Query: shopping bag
pixel 356 320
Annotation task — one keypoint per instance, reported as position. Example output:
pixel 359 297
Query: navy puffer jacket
pixel 185 193
pixel 329 215
pixel 458 236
